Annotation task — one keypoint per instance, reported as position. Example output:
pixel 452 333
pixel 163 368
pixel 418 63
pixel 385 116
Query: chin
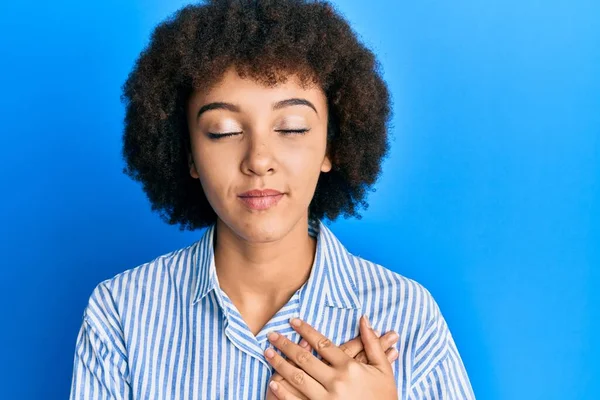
pixel 261 227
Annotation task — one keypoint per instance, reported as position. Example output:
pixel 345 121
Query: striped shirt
pixel 166 330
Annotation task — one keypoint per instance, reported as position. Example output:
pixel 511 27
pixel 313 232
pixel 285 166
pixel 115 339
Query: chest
pixel 205 353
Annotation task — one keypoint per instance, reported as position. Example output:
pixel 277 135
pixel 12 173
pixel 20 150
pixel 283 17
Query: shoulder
pixel 383 291
pixel 134 286
pixel 395 302
pixel 398 303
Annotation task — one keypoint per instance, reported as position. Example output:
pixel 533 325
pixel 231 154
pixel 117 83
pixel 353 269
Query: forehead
pixel 231 87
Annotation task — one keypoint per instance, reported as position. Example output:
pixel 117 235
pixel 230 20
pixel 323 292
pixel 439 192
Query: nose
pixel 258 159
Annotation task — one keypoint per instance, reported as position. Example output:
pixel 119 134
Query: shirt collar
pixel 332 270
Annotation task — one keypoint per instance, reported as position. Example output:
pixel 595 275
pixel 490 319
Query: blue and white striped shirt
pixel 166 330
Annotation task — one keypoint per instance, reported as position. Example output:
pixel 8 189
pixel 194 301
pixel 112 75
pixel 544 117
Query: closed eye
pixel 293 131
pixel 214 135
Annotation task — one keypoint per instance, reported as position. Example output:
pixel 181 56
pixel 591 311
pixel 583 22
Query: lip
pixel 260 199
pixel 261 193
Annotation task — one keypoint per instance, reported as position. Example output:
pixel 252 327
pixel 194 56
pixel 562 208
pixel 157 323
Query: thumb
pixel 373 350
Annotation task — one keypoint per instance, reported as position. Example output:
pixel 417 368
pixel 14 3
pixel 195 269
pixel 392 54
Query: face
pixel 258 152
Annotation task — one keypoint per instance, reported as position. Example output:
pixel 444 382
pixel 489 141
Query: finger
pixel 281 392
pixel 295 376
pixel 281 381
pixel 354 348
pixel 302 358
pixel 386 342
pixel 324 347
pixel 391 355
pixel 305 345
pixel 375 353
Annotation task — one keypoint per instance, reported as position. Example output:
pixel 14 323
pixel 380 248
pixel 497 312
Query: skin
pixel 272 138
pixel 353 348
pixel 262 257
pixel 342 377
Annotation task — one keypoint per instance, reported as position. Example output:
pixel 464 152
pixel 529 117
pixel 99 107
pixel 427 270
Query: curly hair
pixel 265 40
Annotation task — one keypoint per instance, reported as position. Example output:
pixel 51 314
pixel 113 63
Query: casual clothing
pixel 166 330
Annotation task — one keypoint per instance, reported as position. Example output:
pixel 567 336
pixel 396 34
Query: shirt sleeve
pixel 100 369
pixel 438 370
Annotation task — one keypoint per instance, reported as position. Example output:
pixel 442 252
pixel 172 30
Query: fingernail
pixel 394 336
pixel 303 343
pixel 367 321
pixel 377 333
pixel 273 335
pixel 295 321
pixel 273 385
pixel 270 353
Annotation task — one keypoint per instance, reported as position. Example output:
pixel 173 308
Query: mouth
pixel 261 199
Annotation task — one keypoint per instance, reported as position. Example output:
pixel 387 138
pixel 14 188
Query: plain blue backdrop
pixel 490 197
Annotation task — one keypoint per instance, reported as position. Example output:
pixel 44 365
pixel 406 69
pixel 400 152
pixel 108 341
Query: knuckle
pixel 346 350
pixel 353 368
pixel 324 343
pixel 303 357
pixel 337 385
pixel 349 370
pixel 342 373
pixel 298 377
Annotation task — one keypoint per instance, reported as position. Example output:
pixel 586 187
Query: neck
pixel 265 273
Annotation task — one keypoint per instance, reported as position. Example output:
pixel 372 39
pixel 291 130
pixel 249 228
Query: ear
pixel 326 165
pixel 192 166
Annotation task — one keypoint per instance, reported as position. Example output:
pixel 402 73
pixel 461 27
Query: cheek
pixel 304 165
pixel 214 172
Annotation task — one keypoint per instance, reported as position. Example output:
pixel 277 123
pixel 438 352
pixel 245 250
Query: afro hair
pixel 266 40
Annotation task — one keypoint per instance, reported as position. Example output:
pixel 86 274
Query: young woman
pixel 258 119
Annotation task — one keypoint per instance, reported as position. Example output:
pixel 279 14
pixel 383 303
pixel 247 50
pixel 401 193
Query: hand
pixel 354 348
pixel 344 378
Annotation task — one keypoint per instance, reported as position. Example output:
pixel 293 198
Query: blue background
pixel 490 197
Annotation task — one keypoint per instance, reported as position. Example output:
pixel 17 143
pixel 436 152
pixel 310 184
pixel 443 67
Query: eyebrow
pixel 219 105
